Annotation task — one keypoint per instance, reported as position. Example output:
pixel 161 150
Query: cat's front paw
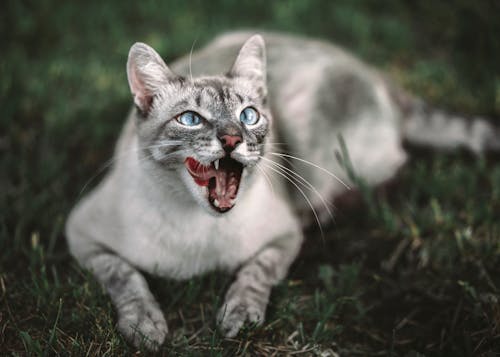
pixel 143 325
pixel 235 312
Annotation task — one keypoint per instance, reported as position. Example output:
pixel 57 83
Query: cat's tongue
pixel 200 173
pixel 223 183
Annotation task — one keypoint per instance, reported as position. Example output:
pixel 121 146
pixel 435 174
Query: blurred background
pixel 64 91
pixel 64 96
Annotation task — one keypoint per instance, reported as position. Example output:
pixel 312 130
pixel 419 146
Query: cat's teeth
pixel 216 164
pixel 216 202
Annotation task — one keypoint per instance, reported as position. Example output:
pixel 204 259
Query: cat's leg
pixel 247 298
pixel 140 319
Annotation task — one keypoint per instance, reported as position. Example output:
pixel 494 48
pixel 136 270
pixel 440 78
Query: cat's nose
pixel 229 142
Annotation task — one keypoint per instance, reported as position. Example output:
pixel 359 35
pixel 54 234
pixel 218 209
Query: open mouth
pixel 222 179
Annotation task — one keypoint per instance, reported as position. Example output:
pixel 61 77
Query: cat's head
pixel 209 131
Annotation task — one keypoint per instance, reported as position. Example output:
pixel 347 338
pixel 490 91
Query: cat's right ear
pixel 146 72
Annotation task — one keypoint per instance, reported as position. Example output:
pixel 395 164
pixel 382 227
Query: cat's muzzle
pixel 221 178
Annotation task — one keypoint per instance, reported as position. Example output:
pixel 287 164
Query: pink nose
pixel 230 141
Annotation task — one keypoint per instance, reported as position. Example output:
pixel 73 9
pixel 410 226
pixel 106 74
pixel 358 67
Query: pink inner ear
pixel 142 97
pixel 145 103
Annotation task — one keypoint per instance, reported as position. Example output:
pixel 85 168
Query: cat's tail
pixel 424 125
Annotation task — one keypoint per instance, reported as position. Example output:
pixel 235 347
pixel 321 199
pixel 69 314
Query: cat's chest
pixel 174 240
pixel 186 246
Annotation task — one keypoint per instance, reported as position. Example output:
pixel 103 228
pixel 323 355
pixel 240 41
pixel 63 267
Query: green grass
pixel 413 271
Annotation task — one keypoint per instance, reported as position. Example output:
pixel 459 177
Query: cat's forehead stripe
pixel 217 89
pixel 220 90
pixel 198 100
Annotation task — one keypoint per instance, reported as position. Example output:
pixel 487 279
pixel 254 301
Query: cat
pixel 200 180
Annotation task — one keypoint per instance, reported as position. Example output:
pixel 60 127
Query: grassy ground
pixel 414 271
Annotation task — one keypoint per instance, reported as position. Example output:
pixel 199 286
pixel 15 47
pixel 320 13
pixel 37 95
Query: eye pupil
pixel 249 116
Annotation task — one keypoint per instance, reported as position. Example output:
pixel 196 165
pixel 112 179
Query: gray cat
pixel 200 180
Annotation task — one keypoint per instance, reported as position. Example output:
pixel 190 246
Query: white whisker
pixel 162 144
pixel 279 144
pixel 190 58
pixel 303 195
pixel 103 167
pixel 313 165
pixel 272 143
pixel 266 176
pixel 122 154
pixel 304 182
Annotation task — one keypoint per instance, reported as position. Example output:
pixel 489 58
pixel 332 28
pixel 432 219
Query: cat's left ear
pixel 147 73
pixel 251 61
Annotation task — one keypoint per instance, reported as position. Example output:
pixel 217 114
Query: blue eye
pixel 189 119
pixel 249 116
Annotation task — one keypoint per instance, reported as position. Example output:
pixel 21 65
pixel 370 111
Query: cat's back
pixel 288 57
